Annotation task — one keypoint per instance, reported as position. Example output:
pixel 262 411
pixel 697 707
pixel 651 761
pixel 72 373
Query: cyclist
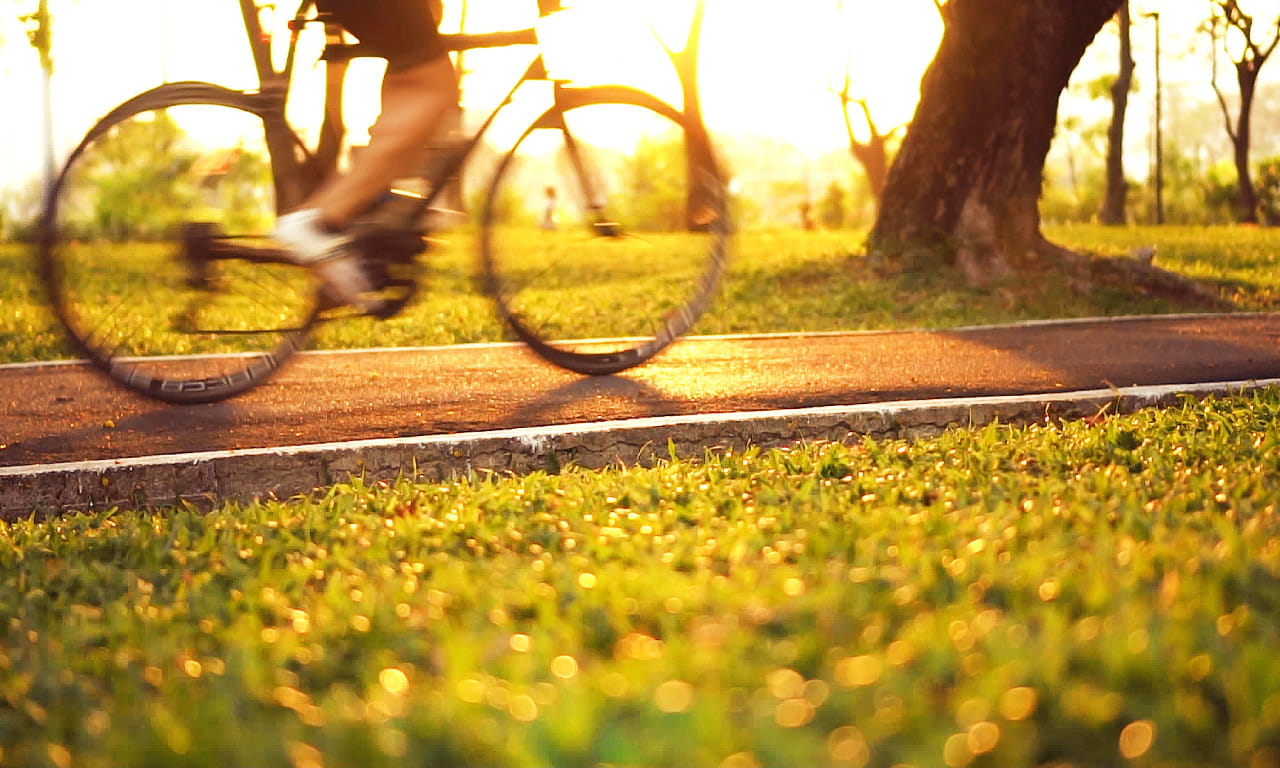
pixel 419 89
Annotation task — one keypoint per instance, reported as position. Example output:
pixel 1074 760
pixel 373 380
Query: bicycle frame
pixel 260 44
pixel 297 178
pixel 390 236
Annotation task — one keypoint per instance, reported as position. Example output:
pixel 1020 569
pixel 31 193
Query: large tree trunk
pixel 1113 204
pixel 967 179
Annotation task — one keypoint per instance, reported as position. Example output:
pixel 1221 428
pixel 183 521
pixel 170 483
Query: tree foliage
pixel 1268 187
pixel 654 182
pixel 146 177
pixel 832 208
pixel 40 34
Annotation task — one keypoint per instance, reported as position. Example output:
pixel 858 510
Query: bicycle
pixel 162 272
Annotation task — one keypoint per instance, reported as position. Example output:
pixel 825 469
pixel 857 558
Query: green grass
pixel 1098 593
pixel 1242 262
pixel 779 281
pixel 1075 593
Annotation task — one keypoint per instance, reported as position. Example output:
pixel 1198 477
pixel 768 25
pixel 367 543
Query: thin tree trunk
pixel 699 154
pixel 1114 203
pixel 1253 55
pixel 967 180
pixel 1246 194
pixel 873 154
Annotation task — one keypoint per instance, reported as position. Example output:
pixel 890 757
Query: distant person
pixel 549 215
pixel 806 216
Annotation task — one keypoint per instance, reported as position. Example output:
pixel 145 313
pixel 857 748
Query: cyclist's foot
pixel 332 255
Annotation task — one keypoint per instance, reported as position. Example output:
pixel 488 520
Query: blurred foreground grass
pixel 1090 594
pixel 778 281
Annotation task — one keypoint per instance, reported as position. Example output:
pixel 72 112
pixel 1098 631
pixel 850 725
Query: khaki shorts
pixel 401 31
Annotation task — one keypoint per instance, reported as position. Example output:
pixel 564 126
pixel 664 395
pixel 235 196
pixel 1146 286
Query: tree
pixel 832 206
pixel 656 200
pixel 1075 171
pixel 146 177
pixel 1113 203
pixel 1230 23
pixel 967 179
pixel 1269 191
pixel 699 153
pixel 872 154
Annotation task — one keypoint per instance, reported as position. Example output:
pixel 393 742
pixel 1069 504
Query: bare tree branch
pixel 1248 65
pixel 1213 81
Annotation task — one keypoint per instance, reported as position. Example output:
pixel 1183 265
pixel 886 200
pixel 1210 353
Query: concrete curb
pixel 206 478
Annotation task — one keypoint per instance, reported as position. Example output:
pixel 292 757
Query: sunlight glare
pixel 765 69
pixel 884 50
pixel 598 43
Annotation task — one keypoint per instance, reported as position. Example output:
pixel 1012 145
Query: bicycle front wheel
pixel 128 256
pixel 606 230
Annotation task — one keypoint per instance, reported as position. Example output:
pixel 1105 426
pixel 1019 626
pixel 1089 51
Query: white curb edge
pixel 208 477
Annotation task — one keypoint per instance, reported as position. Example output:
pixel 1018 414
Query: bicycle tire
pixel 122 257
pixel 642 259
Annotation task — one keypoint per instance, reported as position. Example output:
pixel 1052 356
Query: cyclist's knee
pixel 435 78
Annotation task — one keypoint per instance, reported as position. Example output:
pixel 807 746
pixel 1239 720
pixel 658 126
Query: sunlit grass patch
pixel 1244 262
pixel 1005 596
pixel 777 281
pixel 28 330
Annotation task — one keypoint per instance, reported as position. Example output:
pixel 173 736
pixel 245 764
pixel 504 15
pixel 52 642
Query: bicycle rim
pixel 123 275
pixel 604 243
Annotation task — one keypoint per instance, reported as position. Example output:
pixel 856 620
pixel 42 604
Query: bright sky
pixel 767 67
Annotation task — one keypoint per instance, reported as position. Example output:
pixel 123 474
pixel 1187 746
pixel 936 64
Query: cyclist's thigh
pixel 401 31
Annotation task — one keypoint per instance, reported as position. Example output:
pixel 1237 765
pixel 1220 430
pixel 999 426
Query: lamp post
pixel 1159 170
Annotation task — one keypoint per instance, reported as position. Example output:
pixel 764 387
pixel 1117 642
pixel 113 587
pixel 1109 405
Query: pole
pixel 1155 15
pixel 42 39
pixel 47 105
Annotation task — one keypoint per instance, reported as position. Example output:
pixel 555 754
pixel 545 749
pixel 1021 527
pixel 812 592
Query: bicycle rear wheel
pixel 605 231
pixel 137 249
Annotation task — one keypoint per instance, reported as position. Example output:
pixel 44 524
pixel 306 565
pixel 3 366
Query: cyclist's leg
pixel 418 91
pixel 415 103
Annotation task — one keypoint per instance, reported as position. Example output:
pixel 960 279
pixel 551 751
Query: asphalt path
pixel 68 412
